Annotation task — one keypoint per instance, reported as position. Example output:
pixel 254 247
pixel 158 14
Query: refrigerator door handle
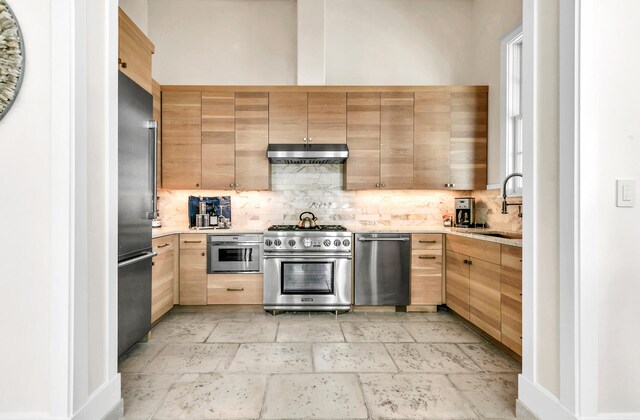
pixel 142 257
pixel 153 125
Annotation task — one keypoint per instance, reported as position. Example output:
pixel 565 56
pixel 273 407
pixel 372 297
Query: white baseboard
pixel 101 402
pixel 541 402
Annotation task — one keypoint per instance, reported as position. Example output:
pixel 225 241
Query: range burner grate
pixel 319 228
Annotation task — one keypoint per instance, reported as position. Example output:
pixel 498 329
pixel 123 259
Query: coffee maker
pixel 465 212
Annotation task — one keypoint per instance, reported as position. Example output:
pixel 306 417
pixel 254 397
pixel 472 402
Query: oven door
pixel 307 281
pixel 234 258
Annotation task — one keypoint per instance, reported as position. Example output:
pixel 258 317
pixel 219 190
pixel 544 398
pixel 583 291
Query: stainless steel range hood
pixel 307 153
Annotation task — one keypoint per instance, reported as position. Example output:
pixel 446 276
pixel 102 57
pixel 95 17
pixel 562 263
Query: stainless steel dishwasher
pixel 382 268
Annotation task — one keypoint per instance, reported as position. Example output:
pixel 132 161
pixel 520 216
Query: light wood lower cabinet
pixel 162 276
pixel 426 269
pixel 193 269
pixel 511 297
pixel 234 289
pixel 484 296
pixel 457 283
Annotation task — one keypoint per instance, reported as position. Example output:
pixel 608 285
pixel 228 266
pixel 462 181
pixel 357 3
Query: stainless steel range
pixel 307 269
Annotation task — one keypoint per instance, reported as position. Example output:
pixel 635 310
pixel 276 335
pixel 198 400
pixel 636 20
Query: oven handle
pixel 235 243
pixel 303 256
pixel 399 239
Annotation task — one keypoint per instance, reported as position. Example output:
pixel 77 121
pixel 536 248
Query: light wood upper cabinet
pixel 181 139
pixel 327 117
pixel 218 140
pixel 252 139
pixel 287 117
pixel 469 140
pixel 134 52
pixel 431 149
pixel 396 140
pixel 362 169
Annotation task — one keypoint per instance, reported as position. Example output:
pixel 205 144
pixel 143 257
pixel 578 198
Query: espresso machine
pixel 465 212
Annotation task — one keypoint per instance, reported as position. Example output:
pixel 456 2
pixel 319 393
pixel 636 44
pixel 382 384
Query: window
pixel 511 109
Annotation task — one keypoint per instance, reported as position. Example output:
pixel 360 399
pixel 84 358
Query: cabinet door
pixel 396 140
pixel 287 117
pixel 457 283
pixel 181 140
pixel 218 140
pixel 161 285
pixel 157 115
pixel 193 277
pixel 431 148
pixel 511 308
pixel 362 169
pixel 252 139
pixel 484 296
pixel 134 52
pixel 469 140
pixel 327 117
pixel 426 269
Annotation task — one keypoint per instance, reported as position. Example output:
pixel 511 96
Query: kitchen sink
pixel 501 235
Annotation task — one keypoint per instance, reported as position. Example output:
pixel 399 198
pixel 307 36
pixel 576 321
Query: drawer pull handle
pixel 427 257
pixel 467 262
pixel 192 242
pixel 162 246
pixel 229 289
pixel 427 242
pixel 203 254
pixel 520 260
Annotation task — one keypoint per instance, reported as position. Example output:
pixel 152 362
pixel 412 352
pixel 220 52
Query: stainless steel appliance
pixel 307 153
pixel 234 254
pixel 465 212
pixel 307 269
pixel 137 152
pixel 382 268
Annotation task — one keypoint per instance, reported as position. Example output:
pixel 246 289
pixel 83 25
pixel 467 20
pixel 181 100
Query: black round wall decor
pixel 11 58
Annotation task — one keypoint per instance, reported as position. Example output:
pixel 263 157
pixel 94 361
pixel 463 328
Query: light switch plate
pixel 626 196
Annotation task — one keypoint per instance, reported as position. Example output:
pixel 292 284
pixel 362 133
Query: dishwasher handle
pixel 402 239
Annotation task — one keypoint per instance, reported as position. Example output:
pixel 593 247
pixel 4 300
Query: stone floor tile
pixel 271 358
pixel 413 396
pixel 190 358
pixel 214 396
pixel 382 332
pixel 490 358
pixel 352 357
pixel 243 332
pixel 209 317
pixel 492 395
pixel 178 317
pixel 441 316
pixel 181 332
pixel 395 316
pixel 317 396
pixel 282 317
pixel 331 316
pixel 310 332
pixel 142 393
pixel 139 356
pixel 431 358
pixel 441 332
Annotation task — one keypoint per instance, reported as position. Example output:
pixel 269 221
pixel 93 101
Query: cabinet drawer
pixel 163 244
pixel 426 278
pixel 235 289
pixel 475 248
pixel 193 241
pixel 512 257
pixel 427 241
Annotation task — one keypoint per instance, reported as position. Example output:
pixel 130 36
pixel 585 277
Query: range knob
pixel 306 242
pixel 327 242
pixel 346 242
pixel 277 242
pixel 268 242
pixel 292 242
pixel 337 242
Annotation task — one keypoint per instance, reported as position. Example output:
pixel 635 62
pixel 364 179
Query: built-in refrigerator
pixel 137 143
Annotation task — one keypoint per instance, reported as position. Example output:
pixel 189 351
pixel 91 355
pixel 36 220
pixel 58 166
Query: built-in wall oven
pixel 234 253
pixel 307 271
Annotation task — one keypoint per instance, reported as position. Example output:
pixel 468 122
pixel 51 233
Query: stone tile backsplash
pixel 319 189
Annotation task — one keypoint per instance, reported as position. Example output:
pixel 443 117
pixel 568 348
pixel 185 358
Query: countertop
pixel 474 233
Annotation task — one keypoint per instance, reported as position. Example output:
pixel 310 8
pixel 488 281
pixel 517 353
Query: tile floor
pixel 243 365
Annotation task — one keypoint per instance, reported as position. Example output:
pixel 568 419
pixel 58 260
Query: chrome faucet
pixel 505 204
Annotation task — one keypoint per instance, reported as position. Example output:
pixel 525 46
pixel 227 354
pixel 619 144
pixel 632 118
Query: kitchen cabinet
pixel 432 145
pixel 396 140
pixel 426 269
pixel 319 117
pixel 362 169
pixel 157 115
pixel 511 297
pixel 134 52
pixel 252 139
pixel 218 140
pixel 193 269
pixel 234 289
pixel 162 276
pixel 181 139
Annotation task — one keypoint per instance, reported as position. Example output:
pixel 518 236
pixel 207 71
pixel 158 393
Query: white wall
pixel 223 41
pixel 611 150
pixel 25 143
pixel 138 11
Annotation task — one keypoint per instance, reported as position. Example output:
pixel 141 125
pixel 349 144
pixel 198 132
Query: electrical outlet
pixel 626 196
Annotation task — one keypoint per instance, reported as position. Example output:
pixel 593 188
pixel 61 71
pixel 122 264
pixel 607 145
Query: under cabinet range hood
pixel 307 153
